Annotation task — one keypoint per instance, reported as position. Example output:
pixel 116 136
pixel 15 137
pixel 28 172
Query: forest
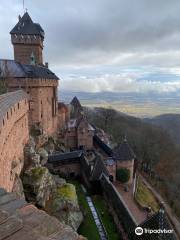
pixel 157 154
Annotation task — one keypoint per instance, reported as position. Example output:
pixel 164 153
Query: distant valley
pixel 135 104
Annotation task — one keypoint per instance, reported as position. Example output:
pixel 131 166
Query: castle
pixel 31 105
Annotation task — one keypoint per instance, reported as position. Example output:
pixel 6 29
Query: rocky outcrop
pixel 64 205
pixel 23 221
pixel 53 194
pixel 46 190
pixel 38 185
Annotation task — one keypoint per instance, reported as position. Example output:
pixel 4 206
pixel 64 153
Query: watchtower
pixel 27 38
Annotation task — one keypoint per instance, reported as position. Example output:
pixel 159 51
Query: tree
pixel 123 175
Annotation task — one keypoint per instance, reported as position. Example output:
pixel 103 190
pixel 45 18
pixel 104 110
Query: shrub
pixel 123 175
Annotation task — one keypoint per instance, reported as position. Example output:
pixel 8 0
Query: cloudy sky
pixel 105 45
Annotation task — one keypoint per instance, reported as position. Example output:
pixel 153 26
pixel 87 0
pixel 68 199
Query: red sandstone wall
pixel 23 48
pixel 43 101
pixel 84 136
pixel 14 134
pixel 42 108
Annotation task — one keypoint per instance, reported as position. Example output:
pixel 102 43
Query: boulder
pixel 64 205
pixel 38 185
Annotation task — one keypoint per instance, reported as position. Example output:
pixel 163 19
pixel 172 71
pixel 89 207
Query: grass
pixel 145 197
pixel 88 228
pixel 38 172
pixel 67 191
pixel 106 218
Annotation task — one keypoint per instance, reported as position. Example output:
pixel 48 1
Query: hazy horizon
pixel 121 47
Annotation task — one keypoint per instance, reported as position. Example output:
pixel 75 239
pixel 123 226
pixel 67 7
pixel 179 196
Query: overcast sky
pixel 105 45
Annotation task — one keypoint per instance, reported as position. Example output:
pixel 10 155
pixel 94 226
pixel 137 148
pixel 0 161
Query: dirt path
pixel 167 208
pixel 138 214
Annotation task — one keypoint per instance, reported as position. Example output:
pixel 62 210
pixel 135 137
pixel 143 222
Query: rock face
pixel 49 191
pixel 53 194
pixel 38 185
pixel 64 205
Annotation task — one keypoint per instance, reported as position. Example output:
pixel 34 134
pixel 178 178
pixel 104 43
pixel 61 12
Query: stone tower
pixel 27 38
pixel 28 72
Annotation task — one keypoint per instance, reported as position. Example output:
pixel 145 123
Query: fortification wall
pixel 120 212
pixel 14 134
pixel 43 101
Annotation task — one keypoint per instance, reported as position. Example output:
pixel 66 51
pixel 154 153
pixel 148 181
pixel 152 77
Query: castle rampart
pixel 14 134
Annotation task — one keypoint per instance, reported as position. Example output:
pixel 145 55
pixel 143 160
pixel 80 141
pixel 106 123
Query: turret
pixel 27 38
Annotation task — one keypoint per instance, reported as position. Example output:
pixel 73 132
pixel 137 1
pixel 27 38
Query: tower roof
pixel 157 221
pixel 124 152
pixel 26 26
pixel 76 103
pixel 11 68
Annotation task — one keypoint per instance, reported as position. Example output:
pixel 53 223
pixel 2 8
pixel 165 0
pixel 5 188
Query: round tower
pixel 27 38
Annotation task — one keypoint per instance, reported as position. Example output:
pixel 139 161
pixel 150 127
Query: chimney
pixel 46 64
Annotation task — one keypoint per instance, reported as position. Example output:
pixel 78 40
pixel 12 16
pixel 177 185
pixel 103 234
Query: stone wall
pixel 122 216
pixel 42 101
pixel 14 134
pixel 24 47
pixel 68 170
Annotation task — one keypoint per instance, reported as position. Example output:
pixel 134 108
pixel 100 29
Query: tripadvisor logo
pixel 138 231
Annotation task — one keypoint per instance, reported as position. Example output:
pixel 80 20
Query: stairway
pixel 23 221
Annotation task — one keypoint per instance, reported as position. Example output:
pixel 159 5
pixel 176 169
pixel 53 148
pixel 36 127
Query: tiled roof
pixel 8 100
pixel 76 103
pixel 75 122
pixel 103 145
pixel 98 169
pixel 26 26
pixel 157 221
pixel 64 156
pixel 123 152
pixel 11 68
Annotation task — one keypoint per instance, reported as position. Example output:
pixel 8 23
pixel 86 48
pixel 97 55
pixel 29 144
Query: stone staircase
pixel 23 221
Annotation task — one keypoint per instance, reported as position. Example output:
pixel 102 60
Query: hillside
pixel 157 154
pixel 170 123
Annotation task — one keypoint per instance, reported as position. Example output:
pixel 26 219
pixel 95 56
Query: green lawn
pixel 145 197
pixel 106 218
pixel 88 228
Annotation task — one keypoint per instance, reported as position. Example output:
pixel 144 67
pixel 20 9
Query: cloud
pixel 98 40
pixel 122 83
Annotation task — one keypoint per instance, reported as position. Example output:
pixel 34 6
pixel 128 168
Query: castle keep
pixel 28 72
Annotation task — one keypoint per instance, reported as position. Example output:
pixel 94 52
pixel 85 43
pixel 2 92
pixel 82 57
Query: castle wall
pixel 69 170
pixel 84 135
pixel 14 134
pixel 112 171
pixel 129 165
pixel 43 101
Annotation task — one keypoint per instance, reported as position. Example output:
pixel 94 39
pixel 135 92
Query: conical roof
pixel 76 103
pixel 123 152
pixel 157 221
pixel 26 26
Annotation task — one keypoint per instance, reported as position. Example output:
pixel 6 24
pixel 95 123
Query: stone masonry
pixel 14 134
